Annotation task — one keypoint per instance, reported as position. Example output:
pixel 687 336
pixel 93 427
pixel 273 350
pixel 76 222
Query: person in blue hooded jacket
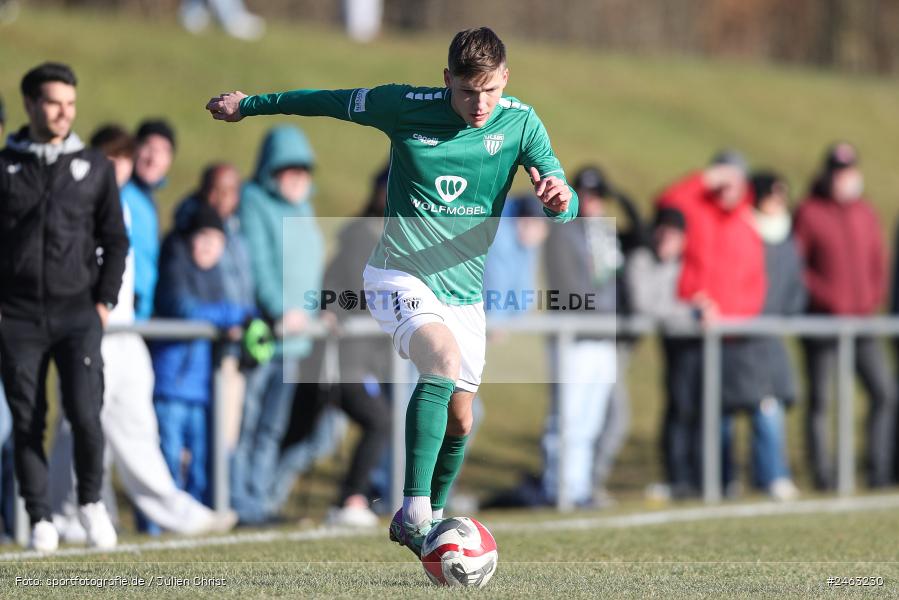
pixel 190 287
pixel 152 161
pixel 287 258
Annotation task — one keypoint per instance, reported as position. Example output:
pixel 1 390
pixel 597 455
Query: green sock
pixel 449 463
pixel 425 428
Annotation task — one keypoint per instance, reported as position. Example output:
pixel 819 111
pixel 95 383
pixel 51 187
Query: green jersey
pixel 447 179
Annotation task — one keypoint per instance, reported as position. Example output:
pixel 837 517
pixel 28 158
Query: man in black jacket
pixel 59 212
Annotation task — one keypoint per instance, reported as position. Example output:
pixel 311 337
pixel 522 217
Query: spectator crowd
pixel 725 241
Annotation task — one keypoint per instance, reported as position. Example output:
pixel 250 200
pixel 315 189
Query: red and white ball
pixel 459 551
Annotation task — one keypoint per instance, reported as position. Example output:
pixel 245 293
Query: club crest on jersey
pixel 493 142
pixel 411 303
pixel 79 168
pixel 450 187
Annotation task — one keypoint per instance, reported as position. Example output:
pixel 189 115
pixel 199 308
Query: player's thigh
pixel 469 327
pixel 433 349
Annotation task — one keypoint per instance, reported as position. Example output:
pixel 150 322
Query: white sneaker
pixel 70 529
pixel 220 521
pixel 44 537
pixel 352 516
pixel 783 489
pixel 96 522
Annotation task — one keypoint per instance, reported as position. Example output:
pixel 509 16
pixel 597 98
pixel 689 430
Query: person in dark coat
pixel 59 205
pixel 768 369
pixel 846 272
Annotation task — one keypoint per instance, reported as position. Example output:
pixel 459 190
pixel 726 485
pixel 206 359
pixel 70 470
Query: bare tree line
pixel 856 35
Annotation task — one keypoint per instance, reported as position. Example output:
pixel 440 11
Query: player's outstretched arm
pixel 378 107
pixel 226 106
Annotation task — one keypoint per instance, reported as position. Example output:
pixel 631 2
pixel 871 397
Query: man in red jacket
pixel 723 273
pixel 724 259
pixel 842 246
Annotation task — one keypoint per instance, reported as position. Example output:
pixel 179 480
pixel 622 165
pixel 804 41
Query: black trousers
pixel 372 415
pixel 72 340
pixel 682 428
pixel 871 367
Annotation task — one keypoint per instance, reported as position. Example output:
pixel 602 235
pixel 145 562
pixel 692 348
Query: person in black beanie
pixel 190 287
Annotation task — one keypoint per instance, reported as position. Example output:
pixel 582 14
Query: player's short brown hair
pixel 474 52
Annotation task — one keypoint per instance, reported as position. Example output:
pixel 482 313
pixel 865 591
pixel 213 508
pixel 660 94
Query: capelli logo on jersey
pixel 359 104
pixel 493 142
pixel 427 141
pixel 450 187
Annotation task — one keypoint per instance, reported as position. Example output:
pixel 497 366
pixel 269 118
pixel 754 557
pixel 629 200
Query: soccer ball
pixel 459 551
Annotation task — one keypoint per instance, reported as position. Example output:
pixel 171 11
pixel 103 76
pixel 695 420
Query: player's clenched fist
pixel 226 107
pixel 553 192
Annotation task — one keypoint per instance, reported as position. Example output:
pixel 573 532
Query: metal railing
pixel 563 331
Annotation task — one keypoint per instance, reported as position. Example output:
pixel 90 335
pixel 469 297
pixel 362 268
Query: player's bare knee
pixel 459 425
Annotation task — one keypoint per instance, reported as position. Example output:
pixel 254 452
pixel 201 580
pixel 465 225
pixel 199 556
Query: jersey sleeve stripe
pixel 350 104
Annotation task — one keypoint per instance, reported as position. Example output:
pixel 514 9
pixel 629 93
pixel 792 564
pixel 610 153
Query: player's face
pixel 153 159
pixel 474 99
pixel 52 113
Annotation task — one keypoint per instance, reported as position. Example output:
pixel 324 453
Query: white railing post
pixel 221 488
pixel 398 376
pixel 564 340
pixel 711 416
pixel 845 413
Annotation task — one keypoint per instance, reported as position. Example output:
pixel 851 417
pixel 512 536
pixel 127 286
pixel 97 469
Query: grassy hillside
pixel 646 119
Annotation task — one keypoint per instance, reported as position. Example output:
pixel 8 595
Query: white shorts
pixel 401 303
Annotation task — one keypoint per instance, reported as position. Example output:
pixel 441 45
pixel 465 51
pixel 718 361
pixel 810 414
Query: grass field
pixel 647 119
pixel 690 553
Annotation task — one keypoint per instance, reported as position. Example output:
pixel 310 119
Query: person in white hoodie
pixel 128 419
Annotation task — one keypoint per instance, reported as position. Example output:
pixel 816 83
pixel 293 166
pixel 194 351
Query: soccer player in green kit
pixel 454 153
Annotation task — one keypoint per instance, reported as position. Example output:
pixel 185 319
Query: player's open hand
pixel 553 192
pixel 226 107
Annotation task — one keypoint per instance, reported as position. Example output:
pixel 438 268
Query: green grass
pixel 647 119
pixel 759 557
